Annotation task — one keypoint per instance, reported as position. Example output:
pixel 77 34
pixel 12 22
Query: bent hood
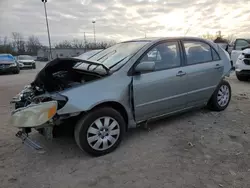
pixel 54 72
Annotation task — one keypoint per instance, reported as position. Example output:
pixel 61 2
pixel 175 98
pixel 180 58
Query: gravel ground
pixel 200 149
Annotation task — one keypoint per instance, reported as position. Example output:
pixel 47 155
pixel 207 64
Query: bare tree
pixel 84 44
pixel 230 38
pixel 78 43
pixel 99 45
pixel 33 45
pixel 18 42
pixel 5 41
pixel 209 36
pixel 6 47
pixel 64 44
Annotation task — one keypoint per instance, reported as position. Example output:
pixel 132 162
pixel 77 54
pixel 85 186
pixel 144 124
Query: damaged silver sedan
pixel 122 87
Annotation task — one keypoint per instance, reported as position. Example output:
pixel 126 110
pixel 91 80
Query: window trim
pixel 201 41
pixel 234 48
pixel 212 49
pixel 182 61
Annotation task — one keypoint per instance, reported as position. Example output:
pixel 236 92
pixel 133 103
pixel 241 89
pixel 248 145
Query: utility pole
pixel 47 23
pixel 85 42
pixel 94 30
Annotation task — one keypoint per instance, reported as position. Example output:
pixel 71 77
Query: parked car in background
pixel 42 59
pixel 121 87
pixel 26 61
pixel 88 54
pixel 242 66
pixel 8 64
pixel 238 47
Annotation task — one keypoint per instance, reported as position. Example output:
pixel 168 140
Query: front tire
pixel 100 131
pixel 221 97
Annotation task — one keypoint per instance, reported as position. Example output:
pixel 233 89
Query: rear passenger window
pixel 197 52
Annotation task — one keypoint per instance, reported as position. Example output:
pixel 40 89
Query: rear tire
pixel 221 97
pixel 100 131
pixel 241 78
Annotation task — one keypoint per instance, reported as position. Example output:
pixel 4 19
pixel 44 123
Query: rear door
pixel 237 50
pixel 204 71
pixel 161 91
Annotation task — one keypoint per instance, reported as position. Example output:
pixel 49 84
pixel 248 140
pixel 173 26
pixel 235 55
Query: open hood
pixel 62 73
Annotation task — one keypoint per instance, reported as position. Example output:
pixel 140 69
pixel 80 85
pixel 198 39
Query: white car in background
pixel 26 61
pixel 238 47
pixel 242 66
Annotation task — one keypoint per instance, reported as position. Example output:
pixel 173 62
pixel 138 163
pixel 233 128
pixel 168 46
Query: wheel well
pixel 117 106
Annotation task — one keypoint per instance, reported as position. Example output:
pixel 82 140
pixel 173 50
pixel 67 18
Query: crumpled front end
pixel 38 116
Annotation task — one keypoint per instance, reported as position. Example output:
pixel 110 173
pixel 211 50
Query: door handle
pixel 180 73
pixel 218 66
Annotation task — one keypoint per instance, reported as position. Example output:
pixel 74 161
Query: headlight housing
pixel 13 65
pixel 34 115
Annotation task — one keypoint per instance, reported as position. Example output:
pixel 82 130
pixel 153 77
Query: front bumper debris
pixel 27 141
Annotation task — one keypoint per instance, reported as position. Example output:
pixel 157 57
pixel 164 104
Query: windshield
pixel 118 53
pixel 6 58
pixel 88 54
pixel 25 57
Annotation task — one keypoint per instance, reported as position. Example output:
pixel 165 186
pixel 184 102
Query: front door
pixel 163 90
pixel 204 71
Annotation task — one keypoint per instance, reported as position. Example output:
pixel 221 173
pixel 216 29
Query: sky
pixel 121 20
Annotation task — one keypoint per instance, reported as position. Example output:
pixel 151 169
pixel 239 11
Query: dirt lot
pixel 201 149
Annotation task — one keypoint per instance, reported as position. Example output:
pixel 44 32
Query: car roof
pixel 154 39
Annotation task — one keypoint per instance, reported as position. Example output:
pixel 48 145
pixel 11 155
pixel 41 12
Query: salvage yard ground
pixel 201 149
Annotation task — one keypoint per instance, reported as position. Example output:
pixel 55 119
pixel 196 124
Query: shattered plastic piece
pixel 191 144
pixel 232 173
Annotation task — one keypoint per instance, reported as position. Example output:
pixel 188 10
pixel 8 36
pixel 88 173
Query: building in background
pixel 43 54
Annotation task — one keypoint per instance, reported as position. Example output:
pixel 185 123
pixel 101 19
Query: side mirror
pixel 145 66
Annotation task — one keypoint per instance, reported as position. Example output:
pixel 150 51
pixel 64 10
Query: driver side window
pixel 165 55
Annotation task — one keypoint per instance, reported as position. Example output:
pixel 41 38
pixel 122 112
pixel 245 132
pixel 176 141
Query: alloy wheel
pixel 103 133
pixel 223 95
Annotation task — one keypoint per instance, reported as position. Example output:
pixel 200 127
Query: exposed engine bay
pixel 59 74
pixel 56 76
